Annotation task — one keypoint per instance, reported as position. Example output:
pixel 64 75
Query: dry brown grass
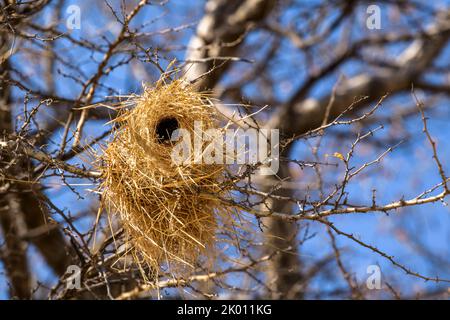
pixel 170 212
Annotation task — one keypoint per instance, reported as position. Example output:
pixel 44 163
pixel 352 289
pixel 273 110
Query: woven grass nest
pixel 170 212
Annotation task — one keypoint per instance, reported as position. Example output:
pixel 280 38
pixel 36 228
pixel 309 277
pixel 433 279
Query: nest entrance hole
pixel 165 128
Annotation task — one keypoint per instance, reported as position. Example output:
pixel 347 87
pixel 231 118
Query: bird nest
pixel 170 211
